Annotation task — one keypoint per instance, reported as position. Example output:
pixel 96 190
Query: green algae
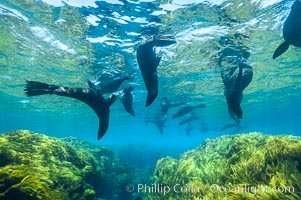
pixel 245 166
pixel 35 166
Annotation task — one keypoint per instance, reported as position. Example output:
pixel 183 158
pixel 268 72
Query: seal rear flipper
pixel 281 49
pixel 129 110
pixel 102 126
pixel 35 88
pixel 127 107
pixel 91 85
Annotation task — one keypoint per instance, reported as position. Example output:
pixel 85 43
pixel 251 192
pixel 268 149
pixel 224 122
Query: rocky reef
pixel 244 166
pixel 34 166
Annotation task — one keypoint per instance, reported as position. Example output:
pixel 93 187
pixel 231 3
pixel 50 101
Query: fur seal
pixel 291 30
pixel 186 109
pixel 159 122
pixel 148 63
pixel 90 96
pixel 231 125
pixel 127 100
pixel 189 119
pixel 203 127
pixel 107 87
pixel 188 129
pixel 166 104
pixel 236 79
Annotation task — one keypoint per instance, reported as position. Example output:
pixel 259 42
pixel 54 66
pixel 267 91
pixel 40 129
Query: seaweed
pixel 243 166
pixel 35 166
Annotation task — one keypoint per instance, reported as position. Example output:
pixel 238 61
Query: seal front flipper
pixel 35 88
pixel 281 49
pixel 104 116
pixel 103 125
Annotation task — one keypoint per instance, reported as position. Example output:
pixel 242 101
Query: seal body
pixel 91 97
pixel 107 86
pixel 148 63
pixel 189 119
pixel 127 100
pixel 165 104
pixel 159 122
pixel 291 30
pixel 236 79
pixel 186 109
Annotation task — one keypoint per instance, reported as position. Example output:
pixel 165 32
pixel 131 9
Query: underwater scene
pixel 150 99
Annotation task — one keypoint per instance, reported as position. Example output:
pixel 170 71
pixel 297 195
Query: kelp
pixel 34 166
pixel 244 166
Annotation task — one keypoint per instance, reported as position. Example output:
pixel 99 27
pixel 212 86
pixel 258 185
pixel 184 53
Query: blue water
pixel 67 42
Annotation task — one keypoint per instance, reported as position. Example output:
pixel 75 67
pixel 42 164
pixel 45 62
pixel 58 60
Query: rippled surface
pixel 67 42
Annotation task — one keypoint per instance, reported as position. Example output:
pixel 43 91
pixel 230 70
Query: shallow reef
pixel 34 166
pixel 245 166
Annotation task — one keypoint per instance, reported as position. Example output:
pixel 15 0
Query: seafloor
pixel 245 166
